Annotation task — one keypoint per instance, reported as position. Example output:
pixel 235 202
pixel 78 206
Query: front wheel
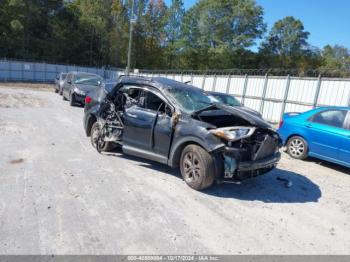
pixel 72 100
pixel 297 147
pixel 94 138
pixel 197 167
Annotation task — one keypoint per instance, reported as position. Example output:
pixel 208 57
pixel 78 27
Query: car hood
pixel 86 88
pixel 242 112
pixel 249 110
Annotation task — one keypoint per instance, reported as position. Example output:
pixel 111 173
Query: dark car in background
pixel 322 133
pixel 78 85
pixel 180 125
pixel 230 100
pixel 59 81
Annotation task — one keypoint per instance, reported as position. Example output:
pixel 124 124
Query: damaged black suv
pixel 181 126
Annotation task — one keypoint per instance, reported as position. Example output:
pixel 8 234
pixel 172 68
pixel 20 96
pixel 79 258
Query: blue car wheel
pixel 297 147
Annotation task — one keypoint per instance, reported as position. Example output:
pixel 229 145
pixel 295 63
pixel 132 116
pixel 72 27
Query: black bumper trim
pixel 260 163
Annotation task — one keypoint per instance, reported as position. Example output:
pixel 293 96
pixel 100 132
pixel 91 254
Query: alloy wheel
pixel 191 166
pixel 296 147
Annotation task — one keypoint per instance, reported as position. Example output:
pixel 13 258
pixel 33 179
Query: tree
pixel 173 45
pixel 336 57
pixel 218 28
pixel 286 38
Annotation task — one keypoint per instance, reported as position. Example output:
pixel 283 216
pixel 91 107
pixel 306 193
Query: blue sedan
pixel 322 133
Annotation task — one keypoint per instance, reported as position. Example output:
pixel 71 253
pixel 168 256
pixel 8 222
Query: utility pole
pixel 132 21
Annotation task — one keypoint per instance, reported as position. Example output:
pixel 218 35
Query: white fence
pixel 271 95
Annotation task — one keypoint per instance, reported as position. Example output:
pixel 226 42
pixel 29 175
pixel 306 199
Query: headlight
pixel 79 92
pixel 233 133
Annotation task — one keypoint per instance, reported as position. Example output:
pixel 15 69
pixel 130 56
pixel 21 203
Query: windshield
pixel 191 100
pixel 93 80
pixel 228 100
pixel 63 76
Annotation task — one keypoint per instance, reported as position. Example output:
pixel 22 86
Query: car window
pixel 63 76
pixel 334 118
pixel 88 79
pixel 69 77
pixel 347 121
pixel 153 102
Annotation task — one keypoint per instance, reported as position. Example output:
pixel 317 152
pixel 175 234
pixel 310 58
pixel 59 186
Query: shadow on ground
pixel 267 188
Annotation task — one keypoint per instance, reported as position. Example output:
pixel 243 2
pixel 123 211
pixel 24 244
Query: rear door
pixel 325 132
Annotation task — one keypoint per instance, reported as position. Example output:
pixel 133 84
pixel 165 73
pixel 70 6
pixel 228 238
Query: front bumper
pixel 79 98
pixel 259 164
pixel 241 163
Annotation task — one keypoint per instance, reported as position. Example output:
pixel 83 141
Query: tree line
pixel 210 35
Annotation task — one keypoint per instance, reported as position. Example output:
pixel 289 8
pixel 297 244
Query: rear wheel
pixel 56 90
pixel 197 167
pixel 94 138
pixel 297 147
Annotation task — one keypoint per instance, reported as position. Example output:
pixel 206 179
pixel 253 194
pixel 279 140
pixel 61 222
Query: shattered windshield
pixel 93 80
pixel 228 100
pixel 191 100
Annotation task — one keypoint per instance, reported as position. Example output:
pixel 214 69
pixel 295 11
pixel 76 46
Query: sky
pixel 328 21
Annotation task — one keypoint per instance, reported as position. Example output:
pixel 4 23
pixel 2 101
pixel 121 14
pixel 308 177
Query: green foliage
pixel 211 35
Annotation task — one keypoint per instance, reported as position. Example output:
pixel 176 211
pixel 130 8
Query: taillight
pixel 281 124
pixel 88 100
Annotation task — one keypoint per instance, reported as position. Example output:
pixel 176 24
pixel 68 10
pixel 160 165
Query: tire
pixel 60 91
pixel 297 147
pixel 63 97
pixel 197 167
pixel 107 146
pixel 72 100
pixel 56 90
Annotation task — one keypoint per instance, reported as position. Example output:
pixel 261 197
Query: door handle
pixel 308 126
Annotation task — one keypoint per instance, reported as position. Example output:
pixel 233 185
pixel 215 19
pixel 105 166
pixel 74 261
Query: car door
pixel 344 148
pixel 147 126
pixel 67 84
pixel 325 133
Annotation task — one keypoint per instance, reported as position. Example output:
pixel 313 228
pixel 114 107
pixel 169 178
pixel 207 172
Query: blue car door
pixel 325 132
pixel 344 148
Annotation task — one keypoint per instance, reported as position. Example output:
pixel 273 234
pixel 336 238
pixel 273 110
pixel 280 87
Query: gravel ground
pixel 59 196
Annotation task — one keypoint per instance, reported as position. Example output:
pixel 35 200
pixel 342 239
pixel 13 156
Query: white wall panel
pixel 302 90
pixel 276 88
pixel 237 85
pixel 209 83
pixel 252 103
pixel 334 92
pixel 221 84
pixel 272 111
pixel 255 86
pixel 197 81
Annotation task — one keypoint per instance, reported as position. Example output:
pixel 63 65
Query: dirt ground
pixel 59 196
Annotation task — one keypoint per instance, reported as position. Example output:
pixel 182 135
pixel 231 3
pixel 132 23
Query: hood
pixel 86 88
pixel 251 111
pixel 239 112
